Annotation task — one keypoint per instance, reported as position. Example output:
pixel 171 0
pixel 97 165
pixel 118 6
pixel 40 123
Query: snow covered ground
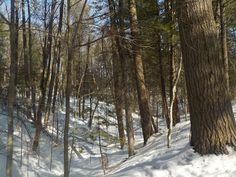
pixel 153 160
pixel 156 160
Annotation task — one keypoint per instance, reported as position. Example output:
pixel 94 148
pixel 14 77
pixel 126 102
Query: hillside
pixel 153 160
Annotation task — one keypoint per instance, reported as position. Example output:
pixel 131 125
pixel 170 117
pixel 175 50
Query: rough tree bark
pixel 211 115
pixel 143 101
pixel 223 40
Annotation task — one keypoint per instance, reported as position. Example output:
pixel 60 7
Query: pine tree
pixel 212 120
pixel 143 99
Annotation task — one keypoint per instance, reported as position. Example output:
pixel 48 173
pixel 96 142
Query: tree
pixel 126 79
pixel 26 64
pixel 223 40
pixel 118 89
pixel 71 41
pixel 12 86
pixel 32 79
pixel 51 83
pixel 211 115
pixel 58 55
pixel 46 56
pixel 162 84
pixel 143 99
pixel 172 57
pixel 68 94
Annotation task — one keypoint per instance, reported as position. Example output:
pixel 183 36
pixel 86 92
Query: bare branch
pixel 4 18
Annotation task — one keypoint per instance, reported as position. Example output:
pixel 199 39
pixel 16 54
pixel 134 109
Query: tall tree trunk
pixel 71 39
pixel 49 47
pixel 125 64
pixel 211 115
pixel 26 61
pixel 25 56
pixel 43 84
pixel 173 69
pixel 58 56
pixel 32 79
pixel 11 88
pixel 143 100
pixel 68 93
pixel 165 111
pixel 117 74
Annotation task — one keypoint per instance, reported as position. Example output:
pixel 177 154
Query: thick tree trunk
pixel 212 121
pixel 143 100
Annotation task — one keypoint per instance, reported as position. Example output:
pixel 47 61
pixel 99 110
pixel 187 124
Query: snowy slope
pixel 153 160
pixel 156 160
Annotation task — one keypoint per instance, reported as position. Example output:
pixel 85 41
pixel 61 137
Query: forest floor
pixel 153 160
